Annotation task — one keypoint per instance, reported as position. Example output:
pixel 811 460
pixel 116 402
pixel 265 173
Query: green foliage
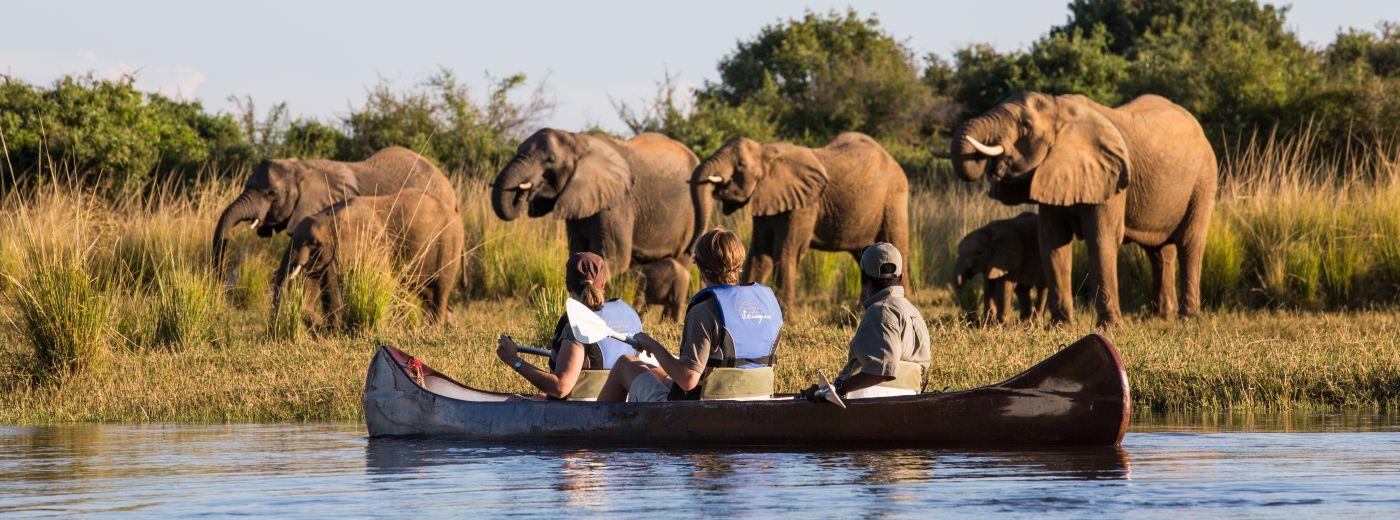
pixel 286 322
pixel 369 290
pixel 188 308
pixel 1221 59
pixel 441 121
pixel 61 312
pixel 106 130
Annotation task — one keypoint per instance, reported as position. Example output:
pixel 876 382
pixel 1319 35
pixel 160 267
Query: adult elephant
pixel 840 197
pixel 281 192
pixel 1142 172
pixel 621 199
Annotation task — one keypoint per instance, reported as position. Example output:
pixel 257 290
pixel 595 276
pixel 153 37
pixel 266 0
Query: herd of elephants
pixel 1142 173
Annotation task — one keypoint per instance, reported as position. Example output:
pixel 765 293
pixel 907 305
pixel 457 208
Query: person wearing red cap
pixel 577 371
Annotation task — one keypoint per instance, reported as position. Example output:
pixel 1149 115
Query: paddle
pixel 828 390
pixel 531 350
pixel 589 327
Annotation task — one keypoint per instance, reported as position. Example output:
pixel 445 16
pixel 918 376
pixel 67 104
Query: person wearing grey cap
pixel 890 350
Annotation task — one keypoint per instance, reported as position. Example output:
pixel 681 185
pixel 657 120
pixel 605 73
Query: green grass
pixel 188 308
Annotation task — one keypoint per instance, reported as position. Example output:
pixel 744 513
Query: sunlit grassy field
pixel 109 311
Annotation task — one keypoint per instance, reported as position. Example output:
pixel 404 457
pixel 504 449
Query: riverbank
pixel 1271 360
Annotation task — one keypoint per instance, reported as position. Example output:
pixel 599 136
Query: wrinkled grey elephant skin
pixel 1142 172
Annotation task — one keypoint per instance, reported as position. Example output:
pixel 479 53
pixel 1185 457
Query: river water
pixel 1216 465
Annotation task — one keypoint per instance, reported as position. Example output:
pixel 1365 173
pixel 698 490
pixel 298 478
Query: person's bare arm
pixel 681 375
pixel 861 381
pixel 558 384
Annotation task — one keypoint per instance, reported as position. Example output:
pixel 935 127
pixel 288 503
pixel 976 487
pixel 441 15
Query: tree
pixel 824 74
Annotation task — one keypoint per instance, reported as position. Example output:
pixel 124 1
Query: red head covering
pixel 585 269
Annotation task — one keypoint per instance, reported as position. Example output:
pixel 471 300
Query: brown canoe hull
pixel 1077 397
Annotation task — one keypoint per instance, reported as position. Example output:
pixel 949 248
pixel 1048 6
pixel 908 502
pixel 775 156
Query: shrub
pixel 286 321
pixel 107 130
pixel 369 291
pixel 187 309
pixel 1222 267
pixel 62 313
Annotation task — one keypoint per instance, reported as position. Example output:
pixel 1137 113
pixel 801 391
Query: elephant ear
pixel 1006 253
pixel 321 185
pixel 600 180
pixel 793 178
pixel 1088 162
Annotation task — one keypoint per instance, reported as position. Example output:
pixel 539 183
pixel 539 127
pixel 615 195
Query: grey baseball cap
pixel 881 260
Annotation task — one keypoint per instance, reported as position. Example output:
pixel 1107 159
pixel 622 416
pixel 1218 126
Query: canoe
pixel 1076 397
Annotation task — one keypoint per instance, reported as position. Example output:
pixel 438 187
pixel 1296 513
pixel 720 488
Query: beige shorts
pixel 646 388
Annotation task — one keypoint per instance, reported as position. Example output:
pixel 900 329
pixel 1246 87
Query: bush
pixel 370 289
pixel 187 309
pixel 62 313
pixel 106 130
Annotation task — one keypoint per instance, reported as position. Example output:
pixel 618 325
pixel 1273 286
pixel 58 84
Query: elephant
pixel 1007 253
pixel 667 281
pixel 281 192
pixel 623 200
pixel 423 236
pixel 1142 172
pixel 841 197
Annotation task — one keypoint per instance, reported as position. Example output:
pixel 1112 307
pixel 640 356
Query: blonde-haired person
pixel 577 370
pixel 727 342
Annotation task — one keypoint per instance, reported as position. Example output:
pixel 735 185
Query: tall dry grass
pixel 92 284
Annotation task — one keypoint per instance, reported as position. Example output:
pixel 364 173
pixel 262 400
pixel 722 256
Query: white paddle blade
pixel 649 359
pixel 587 326
pixel 831 394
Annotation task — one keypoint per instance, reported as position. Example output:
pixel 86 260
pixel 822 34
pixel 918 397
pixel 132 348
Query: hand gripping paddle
pixel 828 390
pixel 588 327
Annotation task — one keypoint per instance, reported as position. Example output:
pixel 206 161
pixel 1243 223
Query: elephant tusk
pixel 989 151
pixel 525 186
pixel 256 221
pixel 714 179
pixel 296 270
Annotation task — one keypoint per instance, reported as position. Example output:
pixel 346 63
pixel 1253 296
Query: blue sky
pixel 320 56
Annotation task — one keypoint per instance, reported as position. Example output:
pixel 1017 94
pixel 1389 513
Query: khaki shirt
pixel 890 331
pixel 704 335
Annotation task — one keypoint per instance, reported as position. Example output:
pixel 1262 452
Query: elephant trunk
pixel 969 162
pixel 702 201
pixel 511 189
pixel 247 206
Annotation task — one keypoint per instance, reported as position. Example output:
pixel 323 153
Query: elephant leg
pixel 1163 260
pixel 793 242
pixel 679 289
pixel 644 287
pixel 1193 248
pixel 331 302
pixel 896 231
pixel 1023 297
pixel 1055 240
pixel 761 246
pixel 1103 232
pixel 999 294
pixel 615 231
pixel 279 278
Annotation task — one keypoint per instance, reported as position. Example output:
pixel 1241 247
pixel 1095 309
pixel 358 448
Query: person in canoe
pixel 577 371
pixel 890 350
pixel 727 341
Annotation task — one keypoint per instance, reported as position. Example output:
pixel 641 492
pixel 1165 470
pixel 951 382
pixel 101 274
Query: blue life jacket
pixel 752 318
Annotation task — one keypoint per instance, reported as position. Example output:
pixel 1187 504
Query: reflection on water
pixel 1318 464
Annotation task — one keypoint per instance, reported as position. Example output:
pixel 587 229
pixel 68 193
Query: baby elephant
pixel 665 282
pixel 1007 253
pixel 422 235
